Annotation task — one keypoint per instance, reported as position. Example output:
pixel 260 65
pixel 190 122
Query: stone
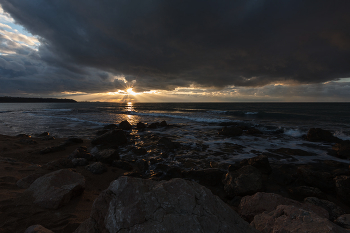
pixel 210 177
pixel 321 135
pixel 253 131
pixel 122 165
pixel 343 221
pixel 342 149
pixel 261 162
pixel 52 149
pixel 125 125
pixel 139 151
pixel 342 184
pixel 113 137
pixel 25 182
pixel 333 210
pixel 168 143
pixel 58 164
pixel 260 202
pixel 96 168
pixel 288 219
pixel 72 141
pixel 245 181
pixel 79 162
pixel 37 229
pixel 81 152
pixel 163 124
pixel 318 179
pixel 179 206
pixel 291 152
pixel 301 192
pixel 44 134
pixel 283 174
pixel 141 125
pixel 106 155
pixel 56 189
pixel 231 131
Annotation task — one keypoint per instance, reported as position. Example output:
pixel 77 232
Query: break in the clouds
pixel 83 45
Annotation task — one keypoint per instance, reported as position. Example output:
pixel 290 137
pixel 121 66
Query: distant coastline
pixel 7 99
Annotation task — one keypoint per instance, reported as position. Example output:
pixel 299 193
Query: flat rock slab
pixel 140 205
pixel 56 188
pixel 288 219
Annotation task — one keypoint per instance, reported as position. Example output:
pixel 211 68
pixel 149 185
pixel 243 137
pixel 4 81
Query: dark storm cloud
pixel 165 44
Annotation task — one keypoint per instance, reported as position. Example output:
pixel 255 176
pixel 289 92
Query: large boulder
pixel 343 221
pixel 80 152
pixel 56 189
pixel 179 206
pixel 342 149
pixel 251 206
pixel 113 137
pixel 318 179
pixel 231 131
pixel 261 162
pixel 244 181
pixel 96 168
pixel 125 125
pixel 301 192
pixel 333 210
pixel 106 155
pixel 37 229
pixel 321 135
pixel 288 219
pixel 342 184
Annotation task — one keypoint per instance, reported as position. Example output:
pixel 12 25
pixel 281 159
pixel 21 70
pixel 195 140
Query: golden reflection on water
pixel 133 119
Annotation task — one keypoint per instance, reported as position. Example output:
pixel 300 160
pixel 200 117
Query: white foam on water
pixel 293 132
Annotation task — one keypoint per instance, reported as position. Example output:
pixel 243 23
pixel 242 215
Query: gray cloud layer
pixel 165 44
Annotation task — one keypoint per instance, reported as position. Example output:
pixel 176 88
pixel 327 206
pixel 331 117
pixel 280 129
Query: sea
pixel 194 125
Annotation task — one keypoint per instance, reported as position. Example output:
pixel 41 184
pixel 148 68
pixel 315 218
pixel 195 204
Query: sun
pixel 130 91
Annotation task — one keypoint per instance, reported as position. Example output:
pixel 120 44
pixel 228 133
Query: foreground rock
pixel 344 221
pixel 342 149
pixel 333 210
pixel 251 206
pixel 321 135
pixel 57 188
pixel 139 205
pixel 287 219
pixel 113 137
pixel 37 229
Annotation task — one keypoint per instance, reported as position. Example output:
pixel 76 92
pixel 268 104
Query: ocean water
pixel 197 124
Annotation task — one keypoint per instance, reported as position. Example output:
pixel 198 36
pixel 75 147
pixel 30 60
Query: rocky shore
pixel 126 180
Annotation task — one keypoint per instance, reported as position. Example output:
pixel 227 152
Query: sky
pixel 176 50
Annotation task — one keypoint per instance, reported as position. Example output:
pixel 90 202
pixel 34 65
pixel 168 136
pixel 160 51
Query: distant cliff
pixel 8 99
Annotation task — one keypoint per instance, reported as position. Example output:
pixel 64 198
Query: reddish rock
pixel 251 206
pixel 57 188
pixel 179 206
pixel 37 229
pixel 288 219
pixel 333 210
pixel 343 221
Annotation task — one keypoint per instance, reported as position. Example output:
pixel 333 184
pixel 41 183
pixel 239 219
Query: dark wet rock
pixel 136 174
pixel 318 179
pixel 125 125
pixel 25 182
pixel 342 184
pixel 207 177
pixel 139 151
pixel 344 221
pixel 37 229
pixel 57 188
pixel 168 143
pixel 141 125
pixel 333 210
pixel 154 125
pixel 302 192
pixel 261 162
pixel 79 162
pixel 106 155
pixel 59 164
pixel 102 131
pixel 321 135
pixel 44 134
pixel 52 149
pixel 284 174
pixel 112 137
pixel 288 219
pixel 73 141
pixel 142 165
pixel 245 181
pixel 231 131
pixel 163 124
pixel 110 126
pixel 253 131
pixel 122 165
pixel 260 202
pixel 80 152
pixel 342 149
pixel 291 152
pixel 28 141
pixel 96 168
pixel 179 206
pixel 173 172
